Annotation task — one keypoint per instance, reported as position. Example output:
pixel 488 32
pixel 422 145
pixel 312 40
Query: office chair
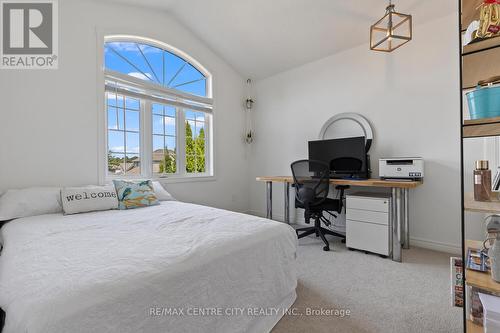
pixel 312 183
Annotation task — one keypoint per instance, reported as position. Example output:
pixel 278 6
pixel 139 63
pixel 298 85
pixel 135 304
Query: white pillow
pixel 161 193
pixel 88 199
pixel 30 202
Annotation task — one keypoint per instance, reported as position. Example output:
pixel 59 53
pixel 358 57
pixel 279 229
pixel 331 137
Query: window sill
pixel 167 180
pixel 185 179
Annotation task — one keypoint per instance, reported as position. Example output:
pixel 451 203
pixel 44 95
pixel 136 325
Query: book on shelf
pixel 457 286
pixel 477 260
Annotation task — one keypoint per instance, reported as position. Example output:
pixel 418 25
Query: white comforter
pixel 146 270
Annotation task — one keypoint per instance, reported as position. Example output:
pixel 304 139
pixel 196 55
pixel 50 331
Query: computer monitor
pixel 346 157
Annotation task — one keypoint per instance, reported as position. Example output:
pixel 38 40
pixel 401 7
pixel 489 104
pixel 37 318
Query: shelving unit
pixel 479 61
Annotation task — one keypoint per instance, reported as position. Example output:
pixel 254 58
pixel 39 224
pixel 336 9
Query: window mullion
pixel 146 139
pixel 181 140
pixel 208 144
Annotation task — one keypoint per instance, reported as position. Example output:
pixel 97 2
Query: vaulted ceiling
pixel 260 38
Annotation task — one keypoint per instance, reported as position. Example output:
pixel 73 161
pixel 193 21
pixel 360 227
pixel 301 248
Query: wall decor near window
pixel 249 134
pixel 391 31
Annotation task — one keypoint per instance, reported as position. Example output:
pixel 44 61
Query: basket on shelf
pixel 484 101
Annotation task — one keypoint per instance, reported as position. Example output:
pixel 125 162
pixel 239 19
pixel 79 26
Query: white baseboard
pixel 436 246
pixel 418 242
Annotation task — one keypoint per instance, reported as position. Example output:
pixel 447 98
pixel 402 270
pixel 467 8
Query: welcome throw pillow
pixel 89 198
pixel 135 194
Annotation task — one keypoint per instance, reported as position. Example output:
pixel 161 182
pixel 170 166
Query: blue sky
pixel 154 64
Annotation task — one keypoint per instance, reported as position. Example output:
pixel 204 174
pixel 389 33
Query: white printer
pixel 401 168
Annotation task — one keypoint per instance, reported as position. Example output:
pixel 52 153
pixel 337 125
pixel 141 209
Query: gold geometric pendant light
pixel 391 31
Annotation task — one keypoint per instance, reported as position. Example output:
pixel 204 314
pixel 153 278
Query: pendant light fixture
pixel 391 31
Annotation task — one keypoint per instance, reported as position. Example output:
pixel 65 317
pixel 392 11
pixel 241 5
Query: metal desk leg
pixel 406 220
pixel 401 213
pixel 269 200
pixel 396 224
pixel 286 186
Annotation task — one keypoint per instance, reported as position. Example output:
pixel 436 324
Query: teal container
pixel 484 102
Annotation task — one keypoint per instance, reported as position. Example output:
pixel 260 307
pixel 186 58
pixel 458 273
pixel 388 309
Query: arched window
pixel 159 106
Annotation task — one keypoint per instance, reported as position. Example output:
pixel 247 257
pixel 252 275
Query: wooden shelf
pixel 473 328
pixel 481 127
pixel 472 205
pixel 485 44
pixel 479 279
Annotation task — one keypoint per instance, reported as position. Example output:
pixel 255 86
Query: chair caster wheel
pixel 326 248
pixel 343 240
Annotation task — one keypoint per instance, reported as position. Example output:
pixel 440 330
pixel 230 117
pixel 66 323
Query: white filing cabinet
pixel 368 221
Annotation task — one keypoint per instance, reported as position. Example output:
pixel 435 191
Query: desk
pixel 400 231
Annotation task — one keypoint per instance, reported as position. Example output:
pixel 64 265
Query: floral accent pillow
pixel 135 194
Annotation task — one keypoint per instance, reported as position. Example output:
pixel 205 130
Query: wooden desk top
pixel 373 182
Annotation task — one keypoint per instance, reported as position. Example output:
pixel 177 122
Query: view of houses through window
pixel 164 139
pixel 123 134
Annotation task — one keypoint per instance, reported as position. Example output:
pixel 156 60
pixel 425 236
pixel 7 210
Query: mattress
pixel 175 267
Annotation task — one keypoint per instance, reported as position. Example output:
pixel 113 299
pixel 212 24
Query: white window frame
pixel 162 95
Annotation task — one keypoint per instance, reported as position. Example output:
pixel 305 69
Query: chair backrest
pixel 311 180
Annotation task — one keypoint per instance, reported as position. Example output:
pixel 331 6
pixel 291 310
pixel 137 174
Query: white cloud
pixel 132 47
pixel 134 150
pixel 120 149
pixel 112 96
pixel 169 121
pixel 147 77
pixel 117 148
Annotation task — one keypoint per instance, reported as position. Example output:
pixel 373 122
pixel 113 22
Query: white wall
pixel 411 98
pixel 48 118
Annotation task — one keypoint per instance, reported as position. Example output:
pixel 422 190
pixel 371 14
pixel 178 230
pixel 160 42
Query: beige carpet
pixel 382 295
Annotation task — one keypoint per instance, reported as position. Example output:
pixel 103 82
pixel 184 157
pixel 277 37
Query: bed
pixel 174 267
